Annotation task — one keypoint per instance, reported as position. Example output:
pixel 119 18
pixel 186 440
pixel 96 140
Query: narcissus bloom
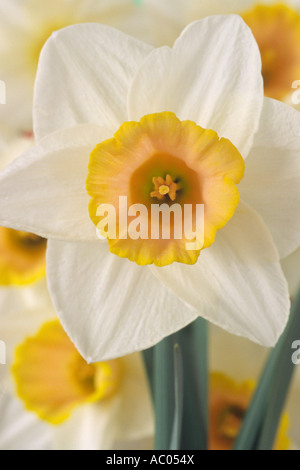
pixel 240 362
pixel 113 116
pixel 76 405
pixel 24 28
pixel 228 403
pixel 276 28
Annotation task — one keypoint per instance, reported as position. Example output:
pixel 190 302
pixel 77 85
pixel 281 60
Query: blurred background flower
pixel 24 28
pixel 67 403
pixel 241 362
pixel 25 25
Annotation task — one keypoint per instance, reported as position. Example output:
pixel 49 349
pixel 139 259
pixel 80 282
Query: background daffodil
pixel 73 405
pixel 26 25
pixel 243 362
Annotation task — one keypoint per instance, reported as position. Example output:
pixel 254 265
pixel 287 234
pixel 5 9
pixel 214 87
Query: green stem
pixel 164 396
pixel 262 418
pixel 193 343
pixel 193 415
pixel 178 385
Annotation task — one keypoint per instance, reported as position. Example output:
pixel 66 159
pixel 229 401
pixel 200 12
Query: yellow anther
pixel 164 189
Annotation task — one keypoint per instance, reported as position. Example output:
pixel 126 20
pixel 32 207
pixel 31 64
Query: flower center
pixel 22 257
pixel 276 29
pixel 53 379
pixel 228 404
pixel 163 187
pixel 166 170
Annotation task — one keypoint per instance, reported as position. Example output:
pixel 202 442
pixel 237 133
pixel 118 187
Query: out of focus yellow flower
pixel 228 403
pixel 276 28
pixel 87 406
pixel 239 364
pixel 25 25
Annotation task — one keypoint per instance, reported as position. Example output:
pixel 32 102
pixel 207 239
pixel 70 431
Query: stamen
pixel 163 187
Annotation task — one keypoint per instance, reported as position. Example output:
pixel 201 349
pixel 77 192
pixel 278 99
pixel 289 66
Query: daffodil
pixel 276 28
pixel 228 404
pixel 74 405
pixel 236 365
pixel 112 115
pixel 24 28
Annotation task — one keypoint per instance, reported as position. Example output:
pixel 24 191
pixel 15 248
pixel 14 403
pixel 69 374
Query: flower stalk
pixel 159 361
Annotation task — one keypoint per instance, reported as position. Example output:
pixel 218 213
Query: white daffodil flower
pixel 65 402
pixel 242 362
pixel 276 28
pixel 113 117
pixel 25 25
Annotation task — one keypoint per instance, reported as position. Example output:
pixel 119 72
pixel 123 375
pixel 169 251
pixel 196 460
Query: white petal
pixel 272 179
pixel 91 427
pixel 135 418
pixel 125 417
pixel 44 190
pixel 237 283
pixel 83 76
pixel 16 326
pixel 211 76
pixel 20 429
pixel 22 312
pixel 109 306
